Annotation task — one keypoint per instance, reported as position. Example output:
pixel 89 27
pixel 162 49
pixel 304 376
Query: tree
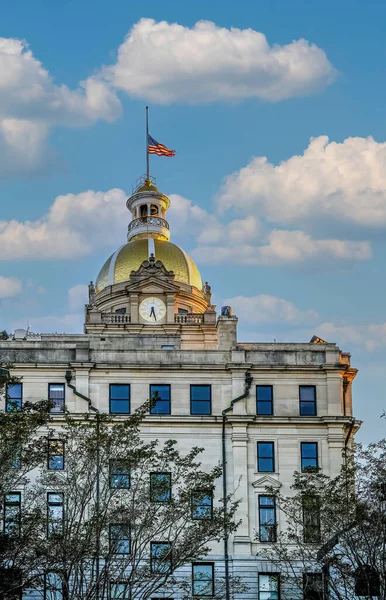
pixel 118 512
pixel 335 530
pixel 20 454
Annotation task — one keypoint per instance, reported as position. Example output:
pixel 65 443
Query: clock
pixel 152 309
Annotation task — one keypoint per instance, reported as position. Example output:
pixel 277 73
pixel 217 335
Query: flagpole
pixel 147 143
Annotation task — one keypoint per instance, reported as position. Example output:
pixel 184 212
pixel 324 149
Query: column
pixel 241 540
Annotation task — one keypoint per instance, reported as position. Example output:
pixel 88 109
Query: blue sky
pixel 296 242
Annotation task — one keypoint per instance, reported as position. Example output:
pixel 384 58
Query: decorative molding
pixel 267 481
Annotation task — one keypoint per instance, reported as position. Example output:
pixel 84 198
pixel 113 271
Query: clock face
pixel 152 310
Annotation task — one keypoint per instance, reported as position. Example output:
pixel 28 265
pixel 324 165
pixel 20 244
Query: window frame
pixel 49 519
pixel 309 468
pixel 208 494
pixel 168 473
pixel 262 414
pixel 128 400
pixel 126 473
pixel 275 574
pixel 265 457
pixel 313 402
pixel 152 560
pixel 271 527
pixel 152 412
pixel 8 400
pixel 120 582
pixel 8 521
pixel 201 385
pixel 200 564
pixel 50 455
pixel 45 594
pixel 52 411
pixel 321 592
pixel 311 530
pixel 124 539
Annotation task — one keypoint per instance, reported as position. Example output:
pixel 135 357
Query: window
pixel 307 399
pixel 55 455
pixel 14 397
pixel 269 586
pixel 120 474
pixel 202 504
pixel 161 395
pixel 309 456
pixel 160 487
pixel 56 396
pixel 54 513
pixel 267 519
pixel 120 590
pixel 120 538
pixel 264 400
pixel 265 457
pixel 183 311
pixel 119 398
pixel 203 579
pixel 313 586
pixel 200 400
pixel 53 587
pixel 12 513
pixel 311 519
pixel 367 582
pixel 161 557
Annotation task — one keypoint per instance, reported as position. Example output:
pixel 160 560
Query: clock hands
pixel 152 312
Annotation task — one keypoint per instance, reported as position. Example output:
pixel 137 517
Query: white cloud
pixel 77 297
pixel 30 103
pixel 282 247
pixel 263 309
pixel 9 287
pixel 74 226
pixel 168 62
pixel 332 185
pixel 68 323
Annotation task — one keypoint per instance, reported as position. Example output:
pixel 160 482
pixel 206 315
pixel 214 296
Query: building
pixel 150 324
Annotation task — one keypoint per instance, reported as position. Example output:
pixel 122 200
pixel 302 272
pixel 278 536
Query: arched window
pixel 143 210
pixel 367 582
pixel 154 210
pixel 53 587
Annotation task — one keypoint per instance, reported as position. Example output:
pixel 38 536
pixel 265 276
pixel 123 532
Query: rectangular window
pixel 55 512
pixel 119 398
pixel 200 400
pixel 311 519
pixel 265 457
pixel 203 579
pixel 161 557
pixel 14 396
pixel 120 538
pixel 267 519
pixel 309 456
pixel 53 587
pixel 120 590
pixel 264 400
pixel 55 455
pixel 12 513
pixel 119 474
pixel 161 395
pixel 160 487
pixel 56 396
pixel 202 504
pixel 313 586
pixel 307 399
pixel 269 586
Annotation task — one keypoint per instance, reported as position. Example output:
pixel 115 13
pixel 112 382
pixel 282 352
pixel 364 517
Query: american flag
pixel 154 147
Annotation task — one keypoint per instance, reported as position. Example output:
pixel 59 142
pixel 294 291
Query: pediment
pixel 152 285
pixel 267 481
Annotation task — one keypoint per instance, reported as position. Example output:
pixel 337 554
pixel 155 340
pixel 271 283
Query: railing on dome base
pixel 115 319
pixel 147 221
pixel 189 319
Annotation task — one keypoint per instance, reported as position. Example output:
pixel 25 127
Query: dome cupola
pixel 148 208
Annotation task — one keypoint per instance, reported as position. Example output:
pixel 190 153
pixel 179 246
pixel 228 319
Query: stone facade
pixel 190 345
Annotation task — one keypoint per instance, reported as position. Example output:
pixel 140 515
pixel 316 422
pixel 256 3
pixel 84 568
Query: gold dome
pixel 129 257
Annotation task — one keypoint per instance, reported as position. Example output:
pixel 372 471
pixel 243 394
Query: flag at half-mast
pixel 154 147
